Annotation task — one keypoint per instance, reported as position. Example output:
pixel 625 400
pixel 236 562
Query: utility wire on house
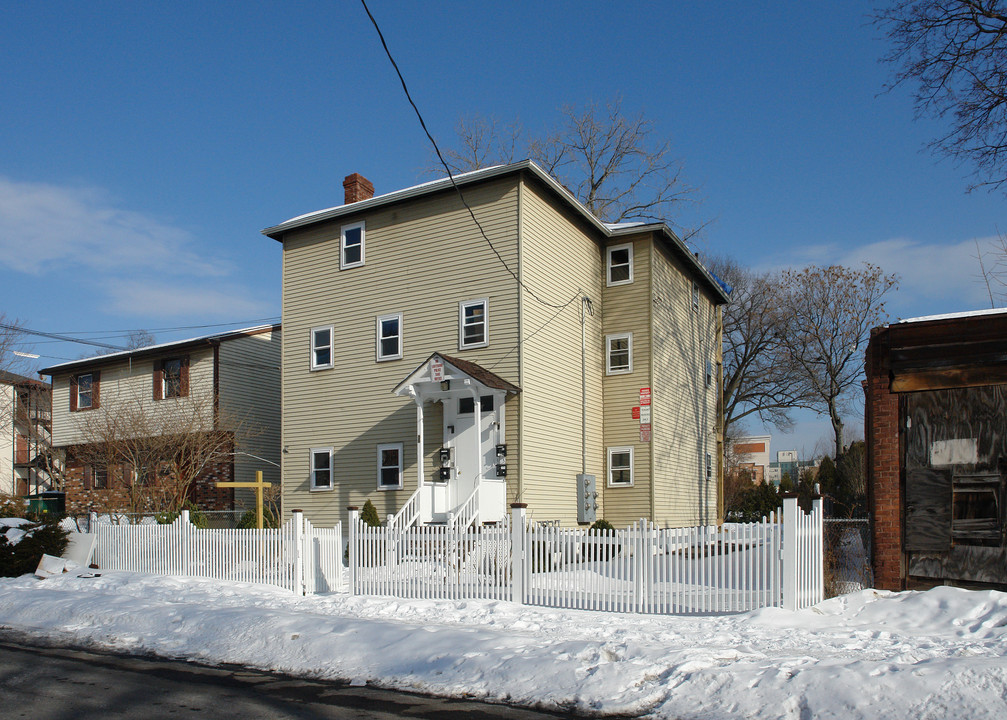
pixel 451 176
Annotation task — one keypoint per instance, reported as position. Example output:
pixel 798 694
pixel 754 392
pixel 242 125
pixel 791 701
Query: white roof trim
pixel 955 316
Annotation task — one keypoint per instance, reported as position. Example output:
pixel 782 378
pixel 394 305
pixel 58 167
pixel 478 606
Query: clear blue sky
pixel 143 146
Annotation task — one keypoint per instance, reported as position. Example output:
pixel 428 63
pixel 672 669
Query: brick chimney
pixel 357 188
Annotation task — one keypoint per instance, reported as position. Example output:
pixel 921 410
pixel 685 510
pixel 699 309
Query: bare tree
pixel 610 161
pixel 759 378
pixel 137 339
pixel 955 51
pixel 151 456
pixel 831 311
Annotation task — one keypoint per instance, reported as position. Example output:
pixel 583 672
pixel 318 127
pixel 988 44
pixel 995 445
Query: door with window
pixel 471 453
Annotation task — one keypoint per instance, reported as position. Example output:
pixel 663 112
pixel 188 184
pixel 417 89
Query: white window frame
pixel 343 265
pixel 608 353
pixel 312 485
pixel 90 392
pixel 608 265
pixel 462 306
pixel 381 448
pixel 313 348
pixel 695 296
pixel 378 337
pixel 623 449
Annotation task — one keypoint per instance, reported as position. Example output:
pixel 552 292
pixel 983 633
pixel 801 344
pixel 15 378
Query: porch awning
pixel 426 379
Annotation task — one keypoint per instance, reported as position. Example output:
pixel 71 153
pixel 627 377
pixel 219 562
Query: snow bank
pixel 937 654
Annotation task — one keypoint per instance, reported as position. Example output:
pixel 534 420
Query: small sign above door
pixel 436 370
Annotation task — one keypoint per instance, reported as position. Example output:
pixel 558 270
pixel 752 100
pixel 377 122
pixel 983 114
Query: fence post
pixel 518 528
pixel 92 522
pixel 819 549
pixel 298 529
pixel 790 541
pixel 352 547
pixel 183 539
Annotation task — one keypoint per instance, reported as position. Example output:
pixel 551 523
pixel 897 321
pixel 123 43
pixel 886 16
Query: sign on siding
pixel 636 413
pixel 645 396
pixel 645 415
pixel 644 432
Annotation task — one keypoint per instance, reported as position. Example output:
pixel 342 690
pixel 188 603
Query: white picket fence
pixel 640 569
pixel 297 556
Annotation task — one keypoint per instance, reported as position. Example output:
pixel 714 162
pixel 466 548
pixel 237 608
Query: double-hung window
pixel 321 468
pixel 321 347
pixel 389 337
pixel 620 466
pixel 473 324
pixel 390 466
pixel 619 353
pixel 620 265
pixel 85 390
pixel 351 246
pixel 171 378
pixel 695 297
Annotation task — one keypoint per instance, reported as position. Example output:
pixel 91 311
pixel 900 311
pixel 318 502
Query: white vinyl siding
pixel 390 466
pixel 473 324
pixel 351 246
pixel 619 353
pixel 321 347
pixel 620 265
pixel 321 468
pixel 620 466
pixel 388 343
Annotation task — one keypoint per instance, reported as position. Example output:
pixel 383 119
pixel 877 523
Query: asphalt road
pixel 50 683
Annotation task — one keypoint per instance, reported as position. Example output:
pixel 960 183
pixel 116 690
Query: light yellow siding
pixel 132 382
pixel 627 310
pixel 249 387
pixel 685 423
pixel 561 261
pixel 422 258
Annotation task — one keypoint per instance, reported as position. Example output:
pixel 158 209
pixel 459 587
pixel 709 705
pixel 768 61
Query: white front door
pixel 470 455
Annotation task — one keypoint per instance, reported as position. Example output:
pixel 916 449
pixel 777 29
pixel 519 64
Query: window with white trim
pixel 620 265
pixel 321 469
pixel 84 391
pixel 473 324
pixel 620 466
pixel 389 337
pixel 390 466
pixel 351 246
pixel 695 296
pixel 321 347
pixel 619 353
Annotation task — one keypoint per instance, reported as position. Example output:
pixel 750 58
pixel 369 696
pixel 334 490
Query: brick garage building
pixel 936 429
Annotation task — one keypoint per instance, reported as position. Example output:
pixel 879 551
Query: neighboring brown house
pixel 233 376
pixel 936 429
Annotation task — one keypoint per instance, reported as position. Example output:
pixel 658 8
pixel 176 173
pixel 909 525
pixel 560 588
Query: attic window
pixel 351 246
pixel 620 264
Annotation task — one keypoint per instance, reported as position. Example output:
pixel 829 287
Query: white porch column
pixel 419 441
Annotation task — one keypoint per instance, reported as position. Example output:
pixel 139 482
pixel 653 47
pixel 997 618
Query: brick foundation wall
pixel 204 493
pixel 884 487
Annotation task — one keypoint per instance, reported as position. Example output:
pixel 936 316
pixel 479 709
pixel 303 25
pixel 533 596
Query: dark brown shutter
pixel 158 379
pixel 73 393
pixel 95 389
pixel 184 372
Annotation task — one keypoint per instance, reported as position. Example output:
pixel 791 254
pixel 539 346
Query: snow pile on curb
pixel 941 653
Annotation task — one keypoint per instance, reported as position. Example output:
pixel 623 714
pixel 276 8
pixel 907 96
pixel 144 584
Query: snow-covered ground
pixel 936 654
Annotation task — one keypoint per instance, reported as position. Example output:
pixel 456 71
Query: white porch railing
pixel 409 514
pixel 643 568
pixel 467 514
pixel 297 556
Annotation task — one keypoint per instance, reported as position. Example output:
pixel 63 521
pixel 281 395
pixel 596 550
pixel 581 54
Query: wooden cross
pixel 258 485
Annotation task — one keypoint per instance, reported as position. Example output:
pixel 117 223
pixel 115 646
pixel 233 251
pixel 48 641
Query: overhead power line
pixel 451 176
pixel 57 336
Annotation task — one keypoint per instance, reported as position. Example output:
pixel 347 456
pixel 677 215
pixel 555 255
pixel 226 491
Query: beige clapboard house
pixel 444 374
pixel 226 381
